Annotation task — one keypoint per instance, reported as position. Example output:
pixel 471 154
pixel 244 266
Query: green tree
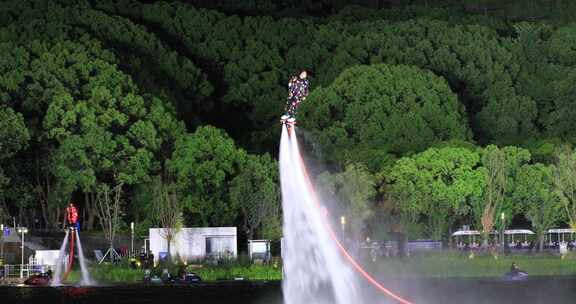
pixel 563 45
pixel 397 109
pixel 354 189
pixel 445 179
pixel 500 167
pixel 565 183
pixel 559 120
pixel 109 209
pixel 14 137
pixel 166 210
pixel 254 191
pixel 104 132
pixel 539 201
pixel 204 164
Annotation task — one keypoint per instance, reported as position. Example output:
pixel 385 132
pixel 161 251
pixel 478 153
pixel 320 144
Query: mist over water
pixel 314 271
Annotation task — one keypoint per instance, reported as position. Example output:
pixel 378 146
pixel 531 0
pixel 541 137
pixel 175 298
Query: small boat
pixel 42 279
pixel 516 276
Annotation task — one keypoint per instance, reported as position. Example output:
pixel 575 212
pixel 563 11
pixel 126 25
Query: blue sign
pixel 163 256
pixel 6 231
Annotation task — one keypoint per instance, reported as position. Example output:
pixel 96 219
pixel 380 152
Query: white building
pixel 191 244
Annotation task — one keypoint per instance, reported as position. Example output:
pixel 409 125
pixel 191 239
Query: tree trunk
pixel 541 242
pixel 169 241
pixel 64 220
pixel 45 214
pixel 250 234
pixel 90 210
pixel 111 251
pixel 402 239
pixel 450 245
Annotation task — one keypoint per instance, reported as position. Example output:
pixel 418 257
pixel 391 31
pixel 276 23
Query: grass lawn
pixel 432 265
pixel 451 265
pixel 208 273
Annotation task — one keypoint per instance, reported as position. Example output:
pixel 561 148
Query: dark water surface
pixel 216 293
pixel 546 290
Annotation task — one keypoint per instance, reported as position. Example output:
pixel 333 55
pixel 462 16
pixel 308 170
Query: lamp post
pixel 132 239
pixel 22 230
pixel 2 243
pixel 502 241
pixel 343 225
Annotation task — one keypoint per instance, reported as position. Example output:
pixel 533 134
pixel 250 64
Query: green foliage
pixel 106 273
pixel 94 92
pixel 399 109
pixel 563 45
pixel 14 135
pixel 538 200
pixel 251 272
pixel 354 189
pixel 565 183
pixel 500 168
pixel 559 120
pixel 254 191
pixel 204 163
pixel 437 184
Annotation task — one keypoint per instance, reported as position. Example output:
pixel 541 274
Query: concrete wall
pixel 191 244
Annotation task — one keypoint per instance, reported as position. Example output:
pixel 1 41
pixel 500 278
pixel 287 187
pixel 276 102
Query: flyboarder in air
pixel 297 92
pixel 72 216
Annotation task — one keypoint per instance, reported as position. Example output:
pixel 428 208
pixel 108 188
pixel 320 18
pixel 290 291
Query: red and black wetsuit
pixel 72 215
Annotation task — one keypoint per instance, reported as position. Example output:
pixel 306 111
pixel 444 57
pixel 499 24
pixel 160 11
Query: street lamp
pixel 343 224
pixel 132 239
pixel 2 243
pixel 502 217
pixel 22 230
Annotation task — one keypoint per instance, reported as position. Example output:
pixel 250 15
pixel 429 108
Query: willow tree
pixel 565 183
pixel 167 209
pixel 496 184
pixel 255 192
pixel 538 199
pixel 108 207
pixel 501 168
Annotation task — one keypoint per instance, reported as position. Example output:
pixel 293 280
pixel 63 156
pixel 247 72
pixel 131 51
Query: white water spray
pixel 85 275
pixel 314 271
pixel 62 262
pixel 57 278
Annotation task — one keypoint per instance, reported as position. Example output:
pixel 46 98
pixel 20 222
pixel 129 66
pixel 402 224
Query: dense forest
pixel 424 117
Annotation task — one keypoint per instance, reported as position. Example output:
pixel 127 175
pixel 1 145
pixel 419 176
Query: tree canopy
pixel 397 109
pixel 443 116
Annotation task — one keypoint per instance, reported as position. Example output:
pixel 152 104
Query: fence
pixel 22 271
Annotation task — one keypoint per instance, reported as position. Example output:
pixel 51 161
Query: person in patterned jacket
pixel 72 215
pixel 297 91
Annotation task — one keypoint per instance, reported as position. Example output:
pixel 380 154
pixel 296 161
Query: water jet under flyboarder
pixel 72 237
pixel 317 267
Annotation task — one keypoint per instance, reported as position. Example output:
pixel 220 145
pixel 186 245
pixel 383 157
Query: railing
pixel 22 271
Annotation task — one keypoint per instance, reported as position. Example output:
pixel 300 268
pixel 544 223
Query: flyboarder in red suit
pixel 72 215
pixel 298 87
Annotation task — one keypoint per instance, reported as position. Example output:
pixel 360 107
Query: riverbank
pixel 464 265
